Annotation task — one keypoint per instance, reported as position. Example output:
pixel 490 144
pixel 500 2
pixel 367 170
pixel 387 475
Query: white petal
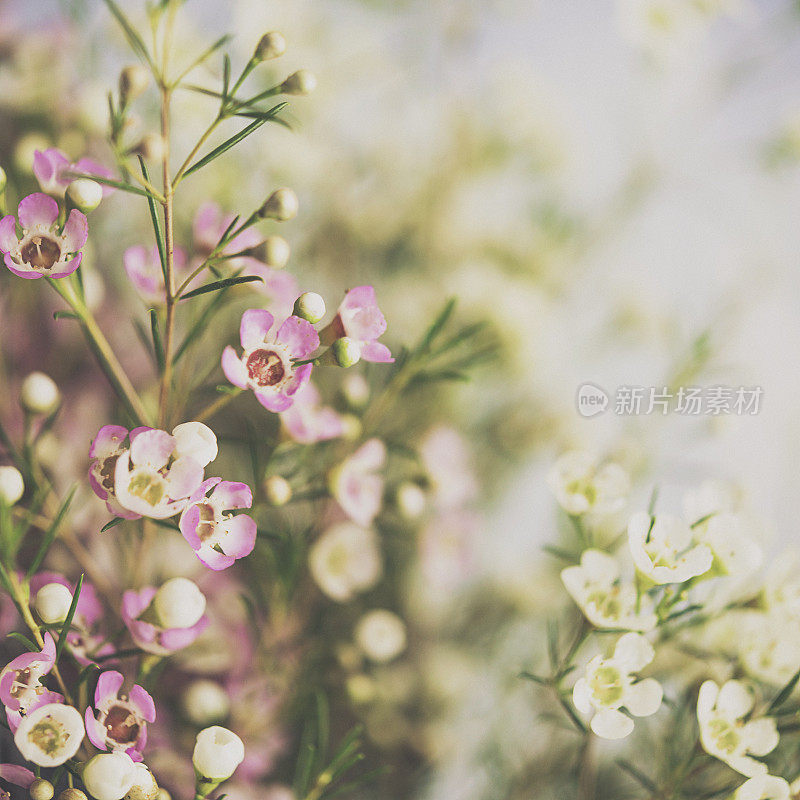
pixel 706 700
pixel 582 696
pixel 600 567
pixel 746 765
pixel 633 652
pixel 672 530
pixel 735 699
pixel 761 736
pixel 196 440
pixel 611 724
pixel 574 580
pixel 644 698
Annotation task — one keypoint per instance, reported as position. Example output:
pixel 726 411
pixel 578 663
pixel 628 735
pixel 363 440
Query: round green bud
pixel 346 351
pixel 72 794
pixel 84 194
pixel 309 306
pixel 41 789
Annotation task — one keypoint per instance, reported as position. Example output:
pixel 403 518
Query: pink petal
pixel 37 209
pixel 21 272
pixel 300 378
pixel 76 231
pixel 233 495
pixel 190 519
pixel 377 353
pixel 89 167
pixel 152 448
pixel 95 730
pixel 274 401
pixel 213 559
pixel 240 538
pixel 370 456
pixel 235 371
pixel 8 234
pixel 108 686
pixel 107 441
pixel 299 336
pixel 47 167
pixel 68 267
pixel 143 703
pixel 254 327
pixel 208 226
pixel 358 298
pixel 203 489
pixel 184 476
pixel 19 776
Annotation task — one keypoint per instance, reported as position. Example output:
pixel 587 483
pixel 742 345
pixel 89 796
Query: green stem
pixel 210 410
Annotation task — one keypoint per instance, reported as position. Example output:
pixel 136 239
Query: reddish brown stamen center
pixel 41 252
pixel 121 725
pixel 205 528
pixel 265 367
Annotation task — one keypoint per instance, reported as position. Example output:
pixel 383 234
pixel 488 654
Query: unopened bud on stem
pixel 301 82
pixel 41 789
pixel 309 306
pixel 3 180
pixel 133 81
pixel 152 147
pixel 281 205
pixel 84 194
pixel 344 352
pixel 39 394
pixel 277 490
pixel 272 45
pixel 12 487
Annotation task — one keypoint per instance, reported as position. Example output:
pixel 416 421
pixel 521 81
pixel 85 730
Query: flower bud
pixel 3 180
pixel 281 205
pixel 309 306
pixel 381 635
pixel 301 82
pixel 276 252
pixel 41 789
pixel 352 427
pixel 410 500
pixel 72 794
pixel 179 603
pixel 133 81
pixel 152 147
pixel 39 394
pixel 12 487
pixel 277 490
pixel 205 702
pixel 109 776
pixel 144 784
pixel 271 45
pixel 346 351
pixel 217 753
pixel 52 603
pixel 84 194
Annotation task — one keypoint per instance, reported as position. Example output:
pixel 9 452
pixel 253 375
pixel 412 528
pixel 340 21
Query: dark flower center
pixel 121 725
pixel 107 473
pixel 41 252
pixel 205 528
pixel 265 367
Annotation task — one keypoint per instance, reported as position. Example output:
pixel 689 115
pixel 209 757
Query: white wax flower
pixel 52 603
pixel 610 685
pixel 723 731
pixel 581 484
pixel 764 787
pixel 50 735
pixel 109 776
pixel 179 603
pixel 206 701
pixel 735 550
pixel 144 785
pixel 12 487
pixel 665 550
pixel 605 600
pixel 381 635
pixel 217 753
pixel 39 393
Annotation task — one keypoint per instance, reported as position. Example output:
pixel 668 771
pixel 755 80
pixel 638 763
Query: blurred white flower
pixel 217 753
pixel 605 600
pixel 610 684
pixel 12 486
pixel 52 603
pixel 39 394
pixel 724 733
pixel 381 635
pixel 581 484
pixel 178 603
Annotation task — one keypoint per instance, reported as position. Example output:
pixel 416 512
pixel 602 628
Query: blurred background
pixel 612 187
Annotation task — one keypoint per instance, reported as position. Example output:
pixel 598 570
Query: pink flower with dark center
pixel 217 537
pixel 51 167
pixel 359 318
pixel 355 484
pixel 308 421
pixel 119 721
pixel 109 444
pixel 43 698
pixel 20 680
pixel 149 636
pixel 267 364
pixel 143 266
pixel 43 249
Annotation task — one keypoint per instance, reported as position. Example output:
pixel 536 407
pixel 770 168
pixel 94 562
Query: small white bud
pixel 301 82
pixel 84 194
pixel 205 702
pixel 355 390
pixel 3 180
pixel 271 45
pixel 179 603
pixel 276 252
pixel 152 147
pixel 12 487
pixel 144 784
pixel 346 351
pixel 277 490
pixel 109 776
pixel 381 635
pixel 217 753
pixel 309 306
pixel 52 603
pixel 281 205
pixel 133 82
pixel 410 500
pixel 41 789
pixel 39 394
pixel 72 794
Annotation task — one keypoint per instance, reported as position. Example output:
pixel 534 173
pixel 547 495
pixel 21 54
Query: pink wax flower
pixel 280 287
pixel 143 266
pixel 219 538
pixel 157 474
pixel 308 421
pixel 86 642
pixel 51 167
pixel 359 318
pixel 149 636
pixel 109 444
pixel 119 721
pixel 266 366
pixel 355 484
pixel 44 249
pixel 20 679
pixel 43 697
